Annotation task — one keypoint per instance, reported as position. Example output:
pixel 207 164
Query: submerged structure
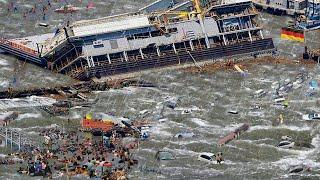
pixel 184 33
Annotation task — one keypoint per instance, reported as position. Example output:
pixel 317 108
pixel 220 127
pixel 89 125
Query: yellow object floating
pixel 238 69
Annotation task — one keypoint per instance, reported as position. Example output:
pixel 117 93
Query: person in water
pixel 219 157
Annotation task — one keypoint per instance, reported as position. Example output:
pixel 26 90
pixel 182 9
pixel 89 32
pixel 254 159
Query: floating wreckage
pixel 68 8
pixel 233 134
pixel 132 42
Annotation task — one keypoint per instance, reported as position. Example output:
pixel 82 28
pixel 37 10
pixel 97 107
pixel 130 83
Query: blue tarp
pixel 313 84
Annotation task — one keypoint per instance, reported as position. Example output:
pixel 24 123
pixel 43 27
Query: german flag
pixel 292 34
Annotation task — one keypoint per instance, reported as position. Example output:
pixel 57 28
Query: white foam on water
pixel 4 62
pixel 28 116
pixel 159 132
pixel 4 84
pixel 185 141
pixel 286 163
pixel 256 113
pixel 37 127
pixel 229 128
pixel 200 122
pixel 147 100
pixel 6 69
pixel 31 101
pixel 125 90
pixel 74 115
pixel 184 152
pixel 290 127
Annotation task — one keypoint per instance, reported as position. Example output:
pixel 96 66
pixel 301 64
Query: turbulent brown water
pixel 208 96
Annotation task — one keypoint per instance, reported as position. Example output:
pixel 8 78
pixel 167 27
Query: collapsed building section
pixel 136 41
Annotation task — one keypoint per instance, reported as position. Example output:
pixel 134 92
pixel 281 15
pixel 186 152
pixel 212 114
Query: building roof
pixel 235 1
pixel 87 28
pixel 32 41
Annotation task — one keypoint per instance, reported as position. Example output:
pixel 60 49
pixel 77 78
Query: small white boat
pixel 311 117
pixel 286 144
pixel 278 100
pixel 208 157
pixel 43 24
pixel 259 93
pixel 184 134
pixel 233 112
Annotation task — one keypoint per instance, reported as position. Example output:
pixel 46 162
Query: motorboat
pixel 185 134
pixel 233 112
pixel 259 93
pixel 286 144
pixel 208 157
pixel 311 117
pixel 43 24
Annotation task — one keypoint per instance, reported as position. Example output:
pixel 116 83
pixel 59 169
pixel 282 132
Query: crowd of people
pixel 78 153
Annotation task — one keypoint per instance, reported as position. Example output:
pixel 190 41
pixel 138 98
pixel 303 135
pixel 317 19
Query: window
pixel 172 30
pixel 130 38
pixel 155 33
pixel 98 45
pixel 114 44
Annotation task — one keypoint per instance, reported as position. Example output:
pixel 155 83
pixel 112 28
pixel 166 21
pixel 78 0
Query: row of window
pixel 152 34
pixel 114 43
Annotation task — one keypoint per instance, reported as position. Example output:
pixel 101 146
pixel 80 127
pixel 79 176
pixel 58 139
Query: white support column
pixel 174 48
pixel 19 141
pixel 6 137
pixel 261 34
pixel 125 55
pixel 108 56
pixel 250 36
pixel 11 140
pixel 250 24
pixel 203 30
pixel 158 50
pixel 92 62
pixel 141 53
pixel 224 40
pixel 88 61
pixel 191 45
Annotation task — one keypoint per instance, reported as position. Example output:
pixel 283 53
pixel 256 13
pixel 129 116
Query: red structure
pixel 93 124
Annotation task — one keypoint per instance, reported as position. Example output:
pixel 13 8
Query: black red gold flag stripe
pixel 292 34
